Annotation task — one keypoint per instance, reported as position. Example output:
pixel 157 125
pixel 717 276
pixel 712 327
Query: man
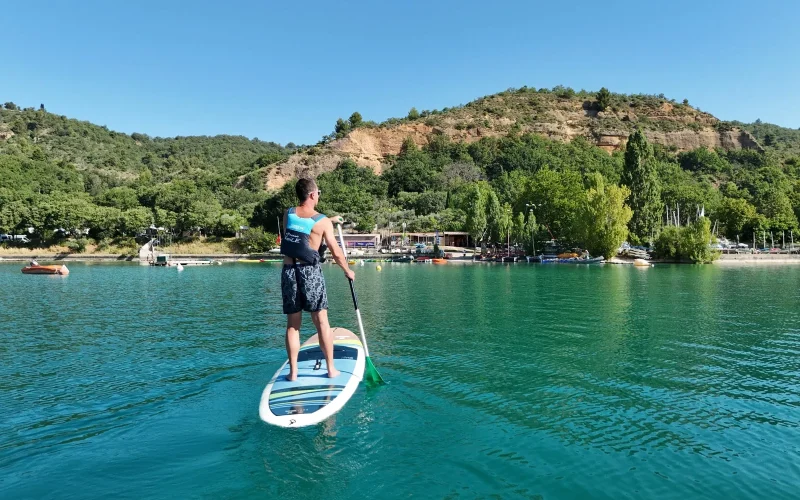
pixel 302 284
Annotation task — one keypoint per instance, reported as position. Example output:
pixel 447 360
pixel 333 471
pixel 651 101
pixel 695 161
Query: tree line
pixel 57 173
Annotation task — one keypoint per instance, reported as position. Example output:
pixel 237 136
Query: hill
pixel 559 114
pixel 505 166
pixel 61 173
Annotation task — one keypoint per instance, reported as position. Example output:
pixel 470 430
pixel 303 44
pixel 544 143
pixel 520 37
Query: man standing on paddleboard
pixel 306 234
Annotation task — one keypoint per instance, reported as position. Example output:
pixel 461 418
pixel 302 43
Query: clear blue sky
pixel 285 71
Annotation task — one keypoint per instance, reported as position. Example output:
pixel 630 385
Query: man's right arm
pixel 336 252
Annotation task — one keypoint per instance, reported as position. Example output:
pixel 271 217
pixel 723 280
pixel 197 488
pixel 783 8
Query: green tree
pixel 667 243
pixel 256 240
pixel 229 223
pixel 703 160
pixel 411 172
pixel 603 216
pixel 505 222
pixel 696 240
pixel 691 242
pixel 341 128
pixel 475 205
pixel 458 174
pixel 413 114
pixel 735 214
pixel 603 99
pixel 104 222
pixel 123 198
pixel 777 207
pixel 355 120
pixel 556 195
pixel 494 215
pixel 430 202
pixel 518 233
pixel 530 233
pixel 135 220
pixel 640 176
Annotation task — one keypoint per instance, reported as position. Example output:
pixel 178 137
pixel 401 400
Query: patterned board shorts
pixel 303 288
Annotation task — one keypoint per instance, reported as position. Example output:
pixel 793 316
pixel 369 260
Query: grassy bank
pixel 201 246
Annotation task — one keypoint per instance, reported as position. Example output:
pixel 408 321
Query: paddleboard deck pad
pixel 313 397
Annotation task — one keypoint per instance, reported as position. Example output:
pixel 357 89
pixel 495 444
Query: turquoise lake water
pixel 506 381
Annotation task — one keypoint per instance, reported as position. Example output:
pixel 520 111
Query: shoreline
pixel 725 259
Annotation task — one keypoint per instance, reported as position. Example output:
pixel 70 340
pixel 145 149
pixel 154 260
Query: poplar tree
pixel 640 176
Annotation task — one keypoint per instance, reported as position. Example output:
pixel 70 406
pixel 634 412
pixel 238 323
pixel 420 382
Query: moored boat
pixel 440 261
pixel 594 260
pixel 60 269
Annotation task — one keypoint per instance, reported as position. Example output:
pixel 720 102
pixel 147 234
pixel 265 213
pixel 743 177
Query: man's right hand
pixel 350 274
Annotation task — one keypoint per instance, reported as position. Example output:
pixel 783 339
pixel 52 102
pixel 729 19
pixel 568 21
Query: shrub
pixel 603 98
pixel 78 245
pixel 255 240
pixel 690 242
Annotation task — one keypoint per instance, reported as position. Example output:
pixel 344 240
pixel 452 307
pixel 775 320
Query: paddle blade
pixel 371 376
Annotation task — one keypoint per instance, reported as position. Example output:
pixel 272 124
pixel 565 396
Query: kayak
pixel 62 270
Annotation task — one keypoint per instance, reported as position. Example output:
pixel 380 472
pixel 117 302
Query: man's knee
pixel 320 317
pixel 294 320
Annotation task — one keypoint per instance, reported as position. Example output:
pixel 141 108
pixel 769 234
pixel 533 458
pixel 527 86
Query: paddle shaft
pixel 353 294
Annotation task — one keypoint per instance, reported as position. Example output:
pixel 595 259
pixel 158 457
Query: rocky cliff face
pixel 675 126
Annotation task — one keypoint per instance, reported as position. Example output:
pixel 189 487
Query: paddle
pixel 371 375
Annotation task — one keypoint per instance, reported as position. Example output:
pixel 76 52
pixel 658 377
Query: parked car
pixel 14 238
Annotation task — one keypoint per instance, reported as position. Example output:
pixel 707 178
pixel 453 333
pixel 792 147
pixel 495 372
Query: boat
pixel 164 260
pixel 60 269
pixel 404 258
pixel 568 255
pixel 593 260
pixel 641 263
pixel 439 261
pixel 636 253
pixel 509 258
pixel 423 260
pixel 534 258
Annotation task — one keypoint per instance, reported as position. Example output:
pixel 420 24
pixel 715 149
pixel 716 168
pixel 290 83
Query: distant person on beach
pixel 306 234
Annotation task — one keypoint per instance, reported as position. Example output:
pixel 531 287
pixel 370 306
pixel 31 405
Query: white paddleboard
pixel 313 397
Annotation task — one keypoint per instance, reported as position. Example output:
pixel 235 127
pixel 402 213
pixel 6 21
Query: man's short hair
pixel 303 188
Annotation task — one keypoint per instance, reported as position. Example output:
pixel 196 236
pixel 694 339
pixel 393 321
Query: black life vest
pixel 295 239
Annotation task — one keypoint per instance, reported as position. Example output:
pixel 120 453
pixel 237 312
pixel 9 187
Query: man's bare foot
pixel 291 377
pixel 333 373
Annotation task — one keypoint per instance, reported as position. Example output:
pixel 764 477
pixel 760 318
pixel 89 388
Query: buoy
pixel 378 267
